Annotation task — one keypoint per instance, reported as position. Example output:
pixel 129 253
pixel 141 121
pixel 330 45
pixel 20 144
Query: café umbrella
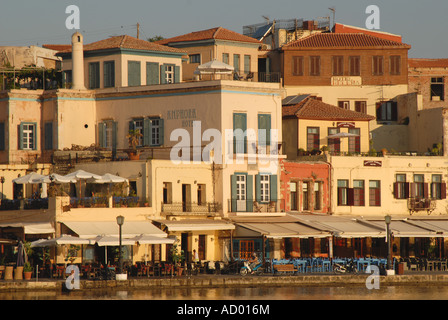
pixel 29 178
pixel 64 239
pixel 81 175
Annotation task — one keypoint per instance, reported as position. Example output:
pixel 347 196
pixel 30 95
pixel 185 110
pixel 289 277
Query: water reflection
pixel 246 293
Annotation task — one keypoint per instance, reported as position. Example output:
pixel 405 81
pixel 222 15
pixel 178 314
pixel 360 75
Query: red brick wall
pixel 420 82
pixel 326 71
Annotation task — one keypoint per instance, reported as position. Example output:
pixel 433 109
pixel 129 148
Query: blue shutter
pixel 249 193
pixel 162 74
pixel 152 73
pixel 240 122
pixel 134 77
pixel 147 132
pixel 161 132
pixel 176 74
pixel 273 187
pixel 109 74
pixel 48 135
pixel 257 188
pixel 264 123
pixel 2 136
pixel 233 192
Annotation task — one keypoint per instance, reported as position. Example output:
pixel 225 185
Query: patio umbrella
pixel 108 178
pixel 214 67
pixel 146 239
pixel 342 135
pixel 29 178
pixel 111 241
pixel 54 177
pixel 80 175
pixel 20 255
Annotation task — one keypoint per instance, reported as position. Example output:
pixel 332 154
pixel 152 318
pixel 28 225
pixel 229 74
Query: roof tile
pixel 428 63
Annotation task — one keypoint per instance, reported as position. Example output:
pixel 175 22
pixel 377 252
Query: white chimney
pixel 77 62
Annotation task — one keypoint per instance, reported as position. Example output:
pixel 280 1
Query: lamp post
pixel 2 180
pixel 388 219
pixel 120 221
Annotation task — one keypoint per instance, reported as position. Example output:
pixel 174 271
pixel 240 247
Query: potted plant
pixel 177 258
pixel 72 253
pixel 27 270
pixel 133 137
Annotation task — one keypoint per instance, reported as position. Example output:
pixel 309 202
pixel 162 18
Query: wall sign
pixel 346 124
pixel 372 163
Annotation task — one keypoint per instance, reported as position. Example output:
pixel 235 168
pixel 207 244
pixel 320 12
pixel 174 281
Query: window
pixel 297 66
pixel 134 78
pixel 334 144
pixel 418 186
pixel 169 74
pixel 236 63
pixel 27 136
pixel 167 193
pixel 312 138
pixel 317 196
pixel 246 64
pixel 109 74
pixel 305 196
pixel 201 194
pixel 438 187
pixel 156 132
pixel 395 65
pixel 361 106
pixel 293 191
pixel 195 58
pixel 374 193
pixel 225 58
pixel 338 65
pixel 315 66
pixel 344 105
pixel 343 192
pixel 377 65
pixel 354 143
pixel 437 89
pixel 358 192
pixel 138 124
pixel 401 187
pixel 264 129
pixel 94 75
pixel 354 63
pixel 107 134
pixel 386 111
pixel 264 188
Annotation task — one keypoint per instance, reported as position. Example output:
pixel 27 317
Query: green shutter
pixel 264 123
pixel 48 136
pixel 176 74
pixel 162 74
pixel 233 192
pixel 257 188
pixel 161 132
pixel 134 77
pixel 152 73
pixel 249 193
pixel 109 74
pixel 94 75
pixel 2 136
pixel 240 122
pixel 236 63
pixel 273 187
pixel 21 136
pixel 246 63
pixel 114 139
pixel 147 132
pixel 35 135
pixel 101 134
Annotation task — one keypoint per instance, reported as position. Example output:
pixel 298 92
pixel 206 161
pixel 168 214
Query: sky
pixel 422 24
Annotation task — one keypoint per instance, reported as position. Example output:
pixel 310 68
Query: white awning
pixel 197 225
pixel 30 227
pixel 280 230
pixel 403 229
pixel 91 229
pixel 143 239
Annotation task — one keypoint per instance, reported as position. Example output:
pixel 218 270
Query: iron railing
pixel 190 207
pixel 421 204
pixel 256 206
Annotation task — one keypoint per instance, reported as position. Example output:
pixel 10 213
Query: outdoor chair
pixel 257 207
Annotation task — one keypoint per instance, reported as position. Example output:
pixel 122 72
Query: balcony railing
pixel 254 147
pixel 103 202
pixel 180 208
pixel 421 204
pixel 24 204
pixel 256 206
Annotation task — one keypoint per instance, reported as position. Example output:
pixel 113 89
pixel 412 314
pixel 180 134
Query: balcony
pixel 191 208
pixel 24 204
pixel 421 204
pixel 252 205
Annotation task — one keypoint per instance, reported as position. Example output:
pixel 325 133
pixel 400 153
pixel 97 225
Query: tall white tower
pixel 78 62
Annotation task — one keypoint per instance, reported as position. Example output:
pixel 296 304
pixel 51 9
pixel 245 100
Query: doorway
pixel 186 197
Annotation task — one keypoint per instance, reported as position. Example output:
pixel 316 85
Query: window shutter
pixel 412 190
pixel 406 190
pixel 396 190
pixel 273 187
pixel 35 136
pixel 109 74
pixel 257 188
pixel 161 132
pixel 233 192
pixel 264 123
pixel 162 74
pixel 147 132
pixel 101 134
pixel 340 192
pixel 350 196
pixel 249 193
pixel 48 136
pixel 425 190
pixel 152 73
pixel 378 110
pixel 394 112
pixel 134 73
pixel 2 136
pixel 443 190
pixel 176 74
pixel 114 139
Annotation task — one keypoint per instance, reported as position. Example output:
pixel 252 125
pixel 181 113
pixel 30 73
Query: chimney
pixel 77 62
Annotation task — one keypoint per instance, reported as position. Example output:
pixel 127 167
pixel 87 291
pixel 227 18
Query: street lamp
pixel 388 219
pixel 120 221
pixel 2 180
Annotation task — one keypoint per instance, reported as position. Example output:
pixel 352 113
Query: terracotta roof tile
pixel 315 109
pixel 126 42
pixel 335 40
pixel 214 33
pixel 428 63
